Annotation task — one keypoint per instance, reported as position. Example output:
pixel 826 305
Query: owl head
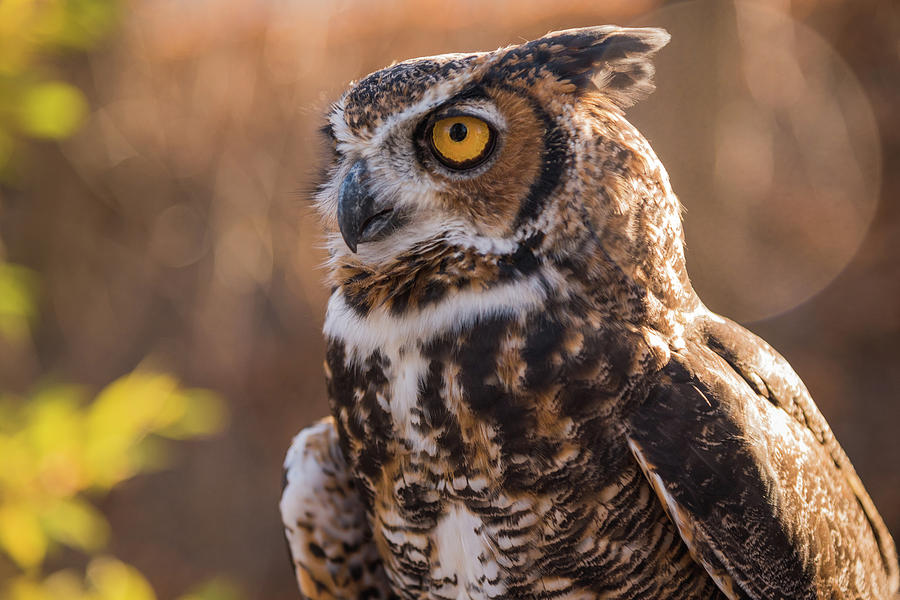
pixel 465 170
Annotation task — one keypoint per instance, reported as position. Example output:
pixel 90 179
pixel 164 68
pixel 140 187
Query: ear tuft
pixel 616 61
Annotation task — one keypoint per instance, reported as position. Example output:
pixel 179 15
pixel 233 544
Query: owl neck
pixel 618 228
pixel 631 265
pixel 441 287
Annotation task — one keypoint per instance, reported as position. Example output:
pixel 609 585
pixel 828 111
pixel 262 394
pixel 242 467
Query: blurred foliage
pixel 61 450
pixel 17 309
pixel 107 579
pixel 58 448
pixel 34 103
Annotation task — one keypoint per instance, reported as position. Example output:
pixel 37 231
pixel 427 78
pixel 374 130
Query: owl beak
pixel 361 217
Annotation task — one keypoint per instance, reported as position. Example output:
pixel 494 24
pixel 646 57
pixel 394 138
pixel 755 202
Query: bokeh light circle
pixel 774 153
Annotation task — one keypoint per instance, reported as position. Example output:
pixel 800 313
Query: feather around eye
pixel 461 141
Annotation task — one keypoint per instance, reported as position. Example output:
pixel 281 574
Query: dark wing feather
pixel 752 477
pixel 325 522
pixel 773 378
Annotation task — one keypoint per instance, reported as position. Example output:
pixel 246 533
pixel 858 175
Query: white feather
pixel 465 553
pixel 380 330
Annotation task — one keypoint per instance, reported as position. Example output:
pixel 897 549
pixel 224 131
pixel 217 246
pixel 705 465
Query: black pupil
pixel 458 132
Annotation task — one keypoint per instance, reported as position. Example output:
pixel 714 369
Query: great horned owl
pixel 528 398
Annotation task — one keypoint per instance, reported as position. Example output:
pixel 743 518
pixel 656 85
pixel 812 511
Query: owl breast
pixel 489 454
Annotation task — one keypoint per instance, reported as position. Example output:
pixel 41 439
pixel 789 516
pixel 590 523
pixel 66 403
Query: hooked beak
pixel 361 217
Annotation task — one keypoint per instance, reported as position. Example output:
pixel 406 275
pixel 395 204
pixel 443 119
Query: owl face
pixel 479 151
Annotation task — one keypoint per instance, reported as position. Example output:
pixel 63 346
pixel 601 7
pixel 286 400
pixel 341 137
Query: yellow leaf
pixel 19 465
pixel 62 474
pixel 54 416
pixel 54 430
pixel 52 110
pixel 203 413
pixel 76 523
pixel 17 291
pixel 25 588
pixel 15 14
pixel 65 585
pixel 6 148
pixel 114 580
pixel 135 403
pixel 119 419
pixel 21 535
pixel 151 455
pixel 87 22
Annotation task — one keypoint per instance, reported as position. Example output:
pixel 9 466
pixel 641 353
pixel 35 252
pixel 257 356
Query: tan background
pixel 175 229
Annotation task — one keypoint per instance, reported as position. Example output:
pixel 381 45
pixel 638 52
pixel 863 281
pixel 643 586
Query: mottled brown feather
pixel 531 401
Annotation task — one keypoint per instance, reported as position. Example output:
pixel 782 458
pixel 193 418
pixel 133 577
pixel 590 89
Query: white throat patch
pixel 380 330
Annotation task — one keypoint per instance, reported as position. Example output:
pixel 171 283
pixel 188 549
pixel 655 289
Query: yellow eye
pixel 461 142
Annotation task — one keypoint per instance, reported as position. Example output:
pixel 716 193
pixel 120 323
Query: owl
pixel 528 399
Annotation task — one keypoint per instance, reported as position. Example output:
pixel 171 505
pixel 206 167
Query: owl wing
pixel 753 478
pixel 325 522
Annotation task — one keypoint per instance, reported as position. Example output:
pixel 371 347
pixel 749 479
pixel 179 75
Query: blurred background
pixel 160 287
